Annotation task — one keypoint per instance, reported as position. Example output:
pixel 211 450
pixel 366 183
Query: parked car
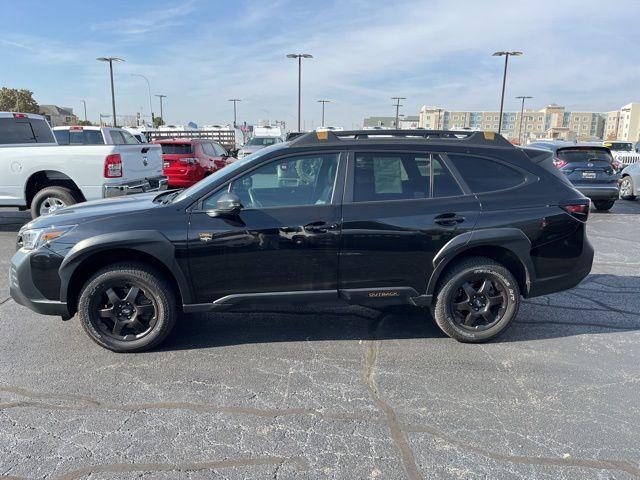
pixel 186 162
pixel 462 224
pixel 588 167
pixel 256 143
pixel 622 152
pixel 630 182
pixel 43 176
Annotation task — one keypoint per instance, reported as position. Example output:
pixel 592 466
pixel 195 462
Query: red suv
pixel 187 161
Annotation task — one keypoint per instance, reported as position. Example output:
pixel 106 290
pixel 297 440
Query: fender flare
pixel 150 242
pixel 512 239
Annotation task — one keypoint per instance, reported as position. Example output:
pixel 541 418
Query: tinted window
pixel 176 148
pixel 23 130
pixel 575 155
pixel 483 175
pixel 292 181
pixel 444 185
pixel 391 176
pixel 79 137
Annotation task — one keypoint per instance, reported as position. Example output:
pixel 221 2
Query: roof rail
pixel 464 136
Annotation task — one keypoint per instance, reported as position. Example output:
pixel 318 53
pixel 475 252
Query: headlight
pixel 32 238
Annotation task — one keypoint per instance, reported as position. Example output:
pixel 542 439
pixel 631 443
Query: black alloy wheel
pixel 479 303
pixel 124 312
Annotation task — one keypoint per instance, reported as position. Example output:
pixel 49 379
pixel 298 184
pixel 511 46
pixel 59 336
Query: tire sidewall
pixel 495 273
pixel 156 293
pixel 61 193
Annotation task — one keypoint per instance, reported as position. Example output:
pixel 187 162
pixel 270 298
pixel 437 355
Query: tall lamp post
pixel 113 94
pixel 148 90
pixel 234 100
pixel 397 105
pixel 299 56
pixel 85 109
pixel 506 56
pixel 523 98
pixel 323 103
pixel 160 96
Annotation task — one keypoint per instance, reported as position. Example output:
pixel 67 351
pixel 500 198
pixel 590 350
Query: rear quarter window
pixel 24 130
pixel 484 175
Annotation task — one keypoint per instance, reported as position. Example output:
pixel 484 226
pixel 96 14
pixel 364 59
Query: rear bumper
pixel 24 292
pixel 599 192
pixel 153 184
pixel 568 279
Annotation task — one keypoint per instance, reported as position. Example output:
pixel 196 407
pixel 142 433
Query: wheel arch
pixel 49 178
pixel 147 247
pixel 507 246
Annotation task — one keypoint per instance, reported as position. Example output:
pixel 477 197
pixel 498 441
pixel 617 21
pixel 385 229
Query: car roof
pixel 554 146
pixel 34 116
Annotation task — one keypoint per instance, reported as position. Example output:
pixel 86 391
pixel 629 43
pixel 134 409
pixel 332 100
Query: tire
pixel 500 300
pixel 57 197
pixel 604 205
pixel 626 189
pixel 145 318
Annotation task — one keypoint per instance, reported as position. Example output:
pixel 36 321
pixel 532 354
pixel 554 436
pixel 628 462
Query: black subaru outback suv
pixel 463 224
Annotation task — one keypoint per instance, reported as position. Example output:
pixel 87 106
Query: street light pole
pixel 506 56
pixel 113 94
pixel 85 109
pixel 161 109
pixel 234 100
pixel 323 102
pixel 523 98
pixel 299 56
pixel 397 105
pixel 148 90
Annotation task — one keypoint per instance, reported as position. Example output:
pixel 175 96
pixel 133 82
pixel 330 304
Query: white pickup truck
pixel 38 173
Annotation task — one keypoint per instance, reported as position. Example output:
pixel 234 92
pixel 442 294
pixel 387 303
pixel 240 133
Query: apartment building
pixel 553 121
pixel 623 124
pixel 404 122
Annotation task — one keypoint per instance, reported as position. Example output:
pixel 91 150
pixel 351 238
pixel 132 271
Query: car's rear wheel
pixel 127 307
pixel 50 199
pixel 604 204
pixel 476 300
pixel 626 189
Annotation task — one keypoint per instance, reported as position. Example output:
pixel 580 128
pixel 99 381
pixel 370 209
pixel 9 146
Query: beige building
pixel 623 124
pixel 550 122
pixel 58 116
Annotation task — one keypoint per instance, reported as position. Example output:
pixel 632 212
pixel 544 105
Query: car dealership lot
pixel 349 392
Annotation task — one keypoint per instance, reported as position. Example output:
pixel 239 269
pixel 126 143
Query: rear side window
pixel 24 130
pixel 177 148
pixel 484 175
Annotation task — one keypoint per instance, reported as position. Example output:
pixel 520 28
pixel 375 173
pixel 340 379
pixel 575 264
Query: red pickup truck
pixel 187 161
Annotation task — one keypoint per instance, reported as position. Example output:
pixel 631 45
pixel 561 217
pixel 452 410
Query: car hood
pixel 252 148
pixel 87 211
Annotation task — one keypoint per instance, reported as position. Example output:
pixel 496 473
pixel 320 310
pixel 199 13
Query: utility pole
pixel 523 98
pixel 397 105
pixel 323 102
pixel 113 94
pixel 299 56
pixel 161 109
pixel 234 100
pixel 506 56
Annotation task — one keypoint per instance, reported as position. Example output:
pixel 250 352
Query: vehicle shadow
pixel 600 304
pixel 11 221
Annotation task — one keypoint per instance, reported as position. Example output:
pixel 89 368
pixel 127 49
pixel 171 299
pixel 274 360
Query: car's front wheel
pixel 604 205
pixel 626 189
pixel 127 307
pixel 476 300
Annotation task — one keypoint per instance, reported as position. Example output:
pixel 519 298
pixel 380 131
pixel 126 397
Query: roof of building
pixel 55 110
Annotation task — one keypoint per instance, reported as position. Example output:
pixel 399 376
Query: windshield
pixel 204 185
pixel 176 148
pixel 263 141
pixel 619 146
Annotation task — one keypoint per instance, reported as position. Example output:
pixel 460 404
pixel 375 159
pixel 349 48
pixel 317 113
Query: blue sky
pixel 581 54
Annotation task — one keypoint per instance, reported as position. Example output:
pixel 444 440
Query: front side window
pixel 288 182
pixel 484 175
pixel 207 148
pixel 219 151
pixel 128 138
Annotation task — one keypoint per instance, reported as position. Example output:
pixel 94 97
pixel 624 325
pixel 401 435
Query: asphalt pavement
pixel 336 393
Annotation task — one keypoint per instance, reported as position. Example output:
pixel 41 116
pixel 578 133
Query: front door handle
pixel 449 219
pixel 320 227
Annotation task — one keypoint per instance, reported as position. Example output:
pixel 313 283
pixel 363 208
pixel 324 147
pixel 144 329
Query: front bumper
pixel 599 192
pixel 153 184
pixel 24 291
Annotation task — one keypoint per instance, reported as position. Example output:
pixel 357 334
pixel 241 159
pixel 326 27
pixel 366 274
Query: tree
pixel 157 121
pixel 14 100
pixel 85 123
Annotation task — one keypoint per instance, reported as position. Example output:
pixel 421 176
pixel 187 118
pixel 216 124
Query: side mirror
pixel 227 204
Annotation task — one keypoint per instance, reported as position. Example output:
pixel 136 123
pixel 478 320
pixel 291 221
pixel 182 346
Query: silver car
pixel 256 143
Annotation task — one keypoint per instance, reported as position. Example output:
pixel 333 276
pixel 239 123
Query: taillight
pixel 577 208
pixel 19 115
pixel 113 166
pixel 76 128
pixel 559 163
pixel 188 160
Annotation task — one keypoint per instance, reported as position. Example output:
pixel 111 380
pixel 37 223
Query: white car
pixel 630 182
pixel 39 174
pixel 622 152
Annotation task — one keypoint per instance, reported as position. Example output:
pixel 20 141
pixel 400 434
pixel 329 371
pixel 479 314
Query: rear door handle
pixel 449 219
